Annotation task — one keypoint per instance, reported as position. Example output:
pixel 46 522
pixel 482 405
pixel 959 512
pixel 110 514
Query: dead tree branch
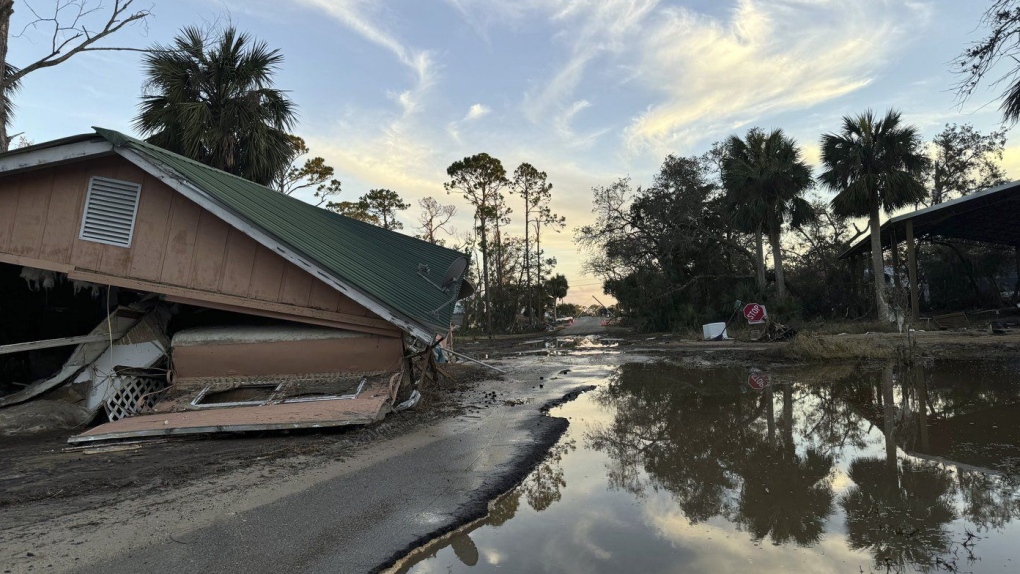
pixel 71 35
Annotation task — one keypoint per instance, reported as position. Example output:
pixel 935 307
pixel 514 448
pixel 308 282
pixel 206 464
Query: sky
pixel 589 91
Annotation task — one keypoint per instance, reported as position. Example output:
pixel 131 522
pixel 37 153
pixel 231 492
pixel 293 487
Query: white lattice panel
pixel 132 396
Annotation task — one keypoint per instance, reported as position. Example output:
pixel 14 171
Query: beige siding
pixel 175 241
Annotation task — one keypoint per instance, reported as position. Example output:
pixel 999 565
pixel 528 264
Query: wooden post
pixel 894 244
pixel 912 271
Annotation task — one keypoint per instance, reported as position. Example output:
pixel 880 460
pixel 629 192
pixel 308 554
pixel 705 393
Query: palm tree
pixel 215 103
pixel 873 165
pixel 765 176
pixel 557 287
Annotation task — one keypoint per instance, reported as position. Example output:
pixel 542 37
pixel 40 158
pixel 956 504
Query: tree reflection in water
pixel 712 444
pixel 540 489
pixel 543 485
pixel 900 512
pixel 768 461
pixel 722 450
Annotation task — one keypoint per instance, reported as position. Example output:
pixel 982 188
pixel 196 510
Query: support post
pixel 912 271
pixel 894 244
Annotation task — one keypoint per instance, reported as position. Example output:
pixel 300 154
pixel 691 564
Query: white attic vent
pixel 110 209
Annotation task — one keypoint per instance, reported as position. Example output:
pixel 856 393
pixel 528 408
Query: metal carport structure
pixel 990 216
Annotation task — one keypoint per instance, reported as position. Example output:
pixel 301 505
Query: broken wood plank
pixel 467 358
pixel 62 342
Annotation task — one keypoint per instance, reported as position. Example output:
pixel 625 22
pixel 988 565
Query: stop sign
pixel 757 381
pixel 754 313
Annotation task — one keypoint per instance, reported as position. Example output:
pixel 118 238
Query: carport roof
pixel 988 216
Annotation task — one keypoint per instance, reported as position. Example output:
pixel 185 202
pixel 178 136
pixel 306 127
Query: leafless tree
pixel 72 26
pixel 433 218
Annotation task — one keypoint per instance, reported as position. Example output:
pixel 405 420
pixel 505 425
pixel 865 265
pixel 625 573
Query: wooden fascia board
pixel 240 303
pixel 35 263
pixel 216 300
pixel 192 192
pixel 387 331
pixel 37 159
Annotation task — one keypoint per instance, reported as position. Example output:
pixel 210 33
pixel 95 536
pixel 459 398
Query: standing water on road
pixel 669 469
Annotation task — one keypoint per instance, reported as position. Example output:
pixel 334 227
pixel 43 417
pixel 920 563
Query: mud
pixel 41 467
pixel 978 343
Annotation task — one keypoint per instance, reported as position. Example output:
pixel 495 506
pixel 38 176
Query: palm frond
pixel 215 102
pixel 873 159
pixel 12 89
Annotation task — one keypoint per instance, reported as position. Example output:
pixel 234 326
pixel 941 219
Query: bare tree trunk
pixel 538 272
pixel 485 279
pixel 788 418
pixel 498 239
pixel 777 260
pixel 1016 262
pixel 877 262
pixel 527 260
pixel 6 10
pixel 759 262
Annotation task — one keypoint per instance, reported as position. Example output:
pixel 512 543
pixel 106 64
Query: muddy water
pixel 665 469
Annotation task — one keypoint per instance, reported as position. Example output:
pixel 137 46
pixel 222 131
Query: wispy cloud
pixel 563 124
pixel 716 75
pixel 477 111
pixel 474 113
pixel 382 148
pixel 590 28
pixel 706 74
pixel 364 18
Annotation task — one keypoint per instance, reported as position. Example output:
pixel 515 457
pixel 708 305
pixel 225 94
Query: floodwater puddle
pixel 671 469
pixel 570 345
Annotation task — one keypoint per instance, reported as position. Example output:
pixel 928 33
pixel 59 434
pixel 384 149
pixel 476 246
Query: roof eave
pixel 863 245
pixel 65 150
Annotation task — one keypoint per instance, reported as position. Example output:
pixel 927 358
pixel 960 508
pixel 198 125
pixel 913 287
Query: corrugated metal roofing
pixel 986 216
pixel 380 263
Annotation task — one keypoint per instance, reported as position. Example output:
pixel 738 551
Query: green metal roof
pixel 379 263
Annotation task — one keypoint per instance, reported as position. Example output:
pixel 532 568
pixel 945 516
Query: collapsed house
pixel 167 297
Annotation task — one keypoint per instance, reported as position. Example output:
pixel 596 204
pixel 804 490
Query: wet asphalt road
pixel 584 326
pixel 359 521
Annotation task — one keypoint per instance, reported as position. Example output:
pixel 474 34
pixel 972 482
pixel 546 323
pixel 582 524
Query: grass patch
pixel 814 347
pixel 823 327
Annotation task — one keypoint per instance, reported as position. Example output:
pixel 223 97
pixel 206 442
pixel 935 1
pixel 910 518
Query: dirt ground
pixel 42 476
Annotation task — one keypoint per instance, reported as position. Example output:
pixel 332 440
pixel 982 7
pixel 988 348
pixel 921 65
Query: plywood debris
pixel 375 400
